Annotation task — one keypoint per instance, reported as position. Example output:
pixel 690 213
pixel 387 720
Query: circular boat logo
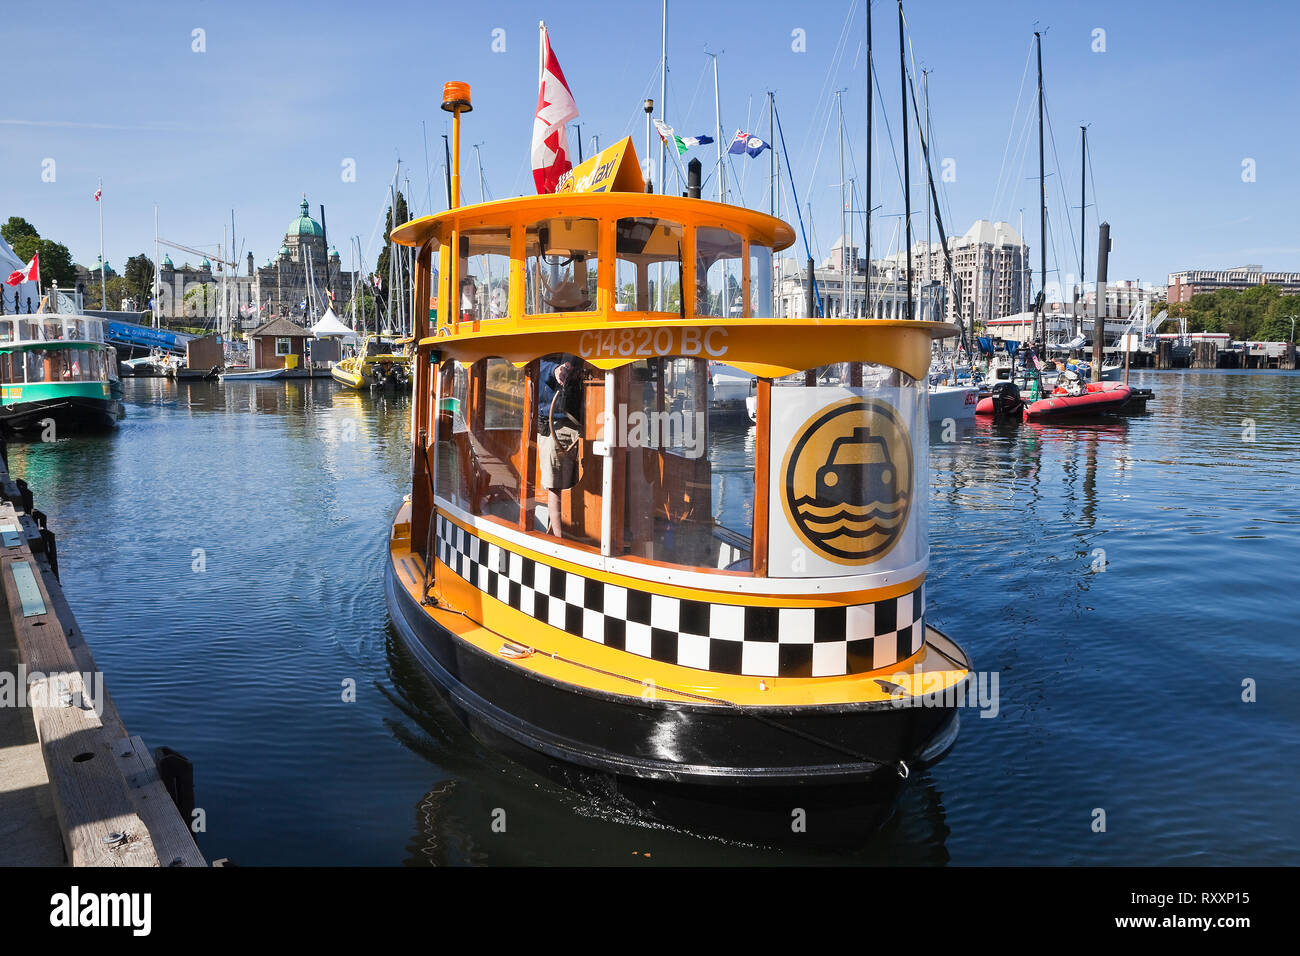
pixel 848 481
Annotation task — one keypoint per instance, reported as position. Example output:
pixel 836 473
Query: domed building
pixel 278 289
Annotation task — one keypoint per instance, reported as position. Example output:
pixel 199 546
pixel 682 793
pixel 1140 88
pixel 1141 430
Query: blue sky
pixel 285 93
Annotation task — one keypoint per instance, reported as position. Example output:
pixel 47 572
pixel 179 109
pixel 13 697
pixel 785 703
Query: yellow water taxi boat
pixel 599 572
pixel 379 363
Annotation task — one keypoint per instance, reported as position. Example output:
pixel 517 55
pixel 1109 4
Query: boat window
pixel 648 271
pixel 719 272
pixel 7 331
pixel 562 266
pixel 480 430
pixel 11 367
pixel 566 478
pixel 485 273
pixel 59 365
pixel 452 440
pixel 684 463
pixel 760 280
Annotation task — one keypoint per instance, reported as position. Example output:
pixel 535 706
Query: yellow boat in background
pixel 381 362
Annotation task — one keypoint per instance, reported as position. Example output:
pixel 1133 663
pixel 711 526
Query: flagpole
pixel 663 92
pixel 717 119
pixel 157 267
pixel 103 282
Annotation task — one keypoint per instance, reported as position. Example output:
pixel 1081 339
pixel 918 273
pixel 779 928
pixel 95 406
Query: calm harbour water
pixel 1119 689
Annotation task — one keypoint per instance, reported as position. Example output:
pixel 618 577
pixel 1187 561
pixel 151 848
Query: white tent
pixel 329 326
pixel 15 297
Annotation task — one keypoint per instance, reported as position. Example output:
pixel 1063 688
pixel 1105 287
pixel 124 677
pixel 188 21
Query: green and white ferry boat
pixel 56 367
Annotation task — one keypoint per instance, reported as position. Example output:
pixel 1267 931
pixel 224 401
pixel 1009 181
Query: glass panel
pixel 283 346
pixel 11 367
pixel 718 273
pixel 57 365
pixel 485 273
pixel 684 452
pixel 566 493
pixel 505 396
pixel 760 280
pixel 561 266
pixel 648 271
pixel 452 482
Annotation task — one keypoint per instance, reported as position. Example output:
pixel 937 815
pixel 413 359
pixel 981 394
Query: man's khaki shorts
pixel 559 471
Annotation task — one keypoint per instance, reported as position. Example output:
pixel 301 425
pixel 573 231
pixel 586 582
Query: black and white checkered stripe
pixel 722 638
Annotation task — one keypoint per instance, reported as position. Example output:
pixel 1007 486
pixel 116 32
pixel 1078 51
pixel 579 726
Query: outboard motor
pixel 1070 382
pixel 1007 401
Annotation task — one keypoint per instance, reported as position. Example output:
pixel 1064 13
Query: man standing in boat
pixel 559 423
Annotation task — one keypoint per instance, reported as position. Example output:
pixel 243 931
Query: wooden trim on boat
pixel 762 477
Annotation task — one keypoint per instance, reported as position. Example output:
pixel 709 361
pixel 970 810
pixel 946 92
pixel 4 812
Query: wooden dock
pixel 75 787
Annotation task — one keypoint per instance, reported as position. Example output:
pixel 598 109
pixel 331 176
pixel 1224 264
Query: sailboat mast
pixel 844 252
pixel 1083 207
pixel 1042 202
pixel 230 325
pixel 866 239
pixel 663 93
pixel 157 267
pixel 717 121
pixel 907 166
pixel 929 137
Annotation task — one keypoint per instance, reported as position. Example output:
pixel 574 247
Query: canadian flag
pixel 29 273
pixel 555 107
pixel 99 192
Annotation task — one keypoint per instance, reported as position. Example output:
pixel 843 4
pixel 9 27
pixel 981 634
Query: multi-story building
pixel 990 259
pixel 1122 297
pixel 1184 285
pixel 278 289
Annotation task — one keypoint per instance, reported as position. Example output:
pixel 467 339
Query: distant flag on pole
pixel 99 192
pixel 28 273
pixel 745 143
pixel 555 108
pixel 682 143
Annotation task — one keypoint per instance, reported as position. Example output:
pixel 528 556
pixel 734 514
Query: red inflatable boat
pixel 1097 399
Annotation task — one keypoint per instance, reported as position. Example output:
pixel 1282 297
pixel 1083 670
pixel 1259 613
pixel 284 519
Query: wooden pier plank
pixel 110 804
pixel 172 839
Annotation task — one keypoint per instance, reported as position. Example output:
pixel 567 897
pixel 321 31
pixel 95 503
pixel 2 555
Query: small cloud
pixel 69 124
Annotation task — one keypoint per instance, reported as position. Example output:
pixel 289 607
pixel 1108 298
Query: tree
pixel 381 266
pixel 16 228
pixel 139 278
pixel 56 261
pixel 198 297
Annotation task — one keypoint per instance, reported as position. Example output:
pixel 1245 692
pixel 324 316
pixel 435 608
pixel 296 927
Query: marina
pixel 1018 517
pixel 708 476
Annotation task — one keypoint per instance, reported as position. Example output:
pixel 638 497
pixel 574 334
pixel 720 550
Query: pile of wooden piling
pixel 112 805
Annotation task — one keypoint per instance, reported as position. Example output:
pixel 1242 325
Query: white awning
pixel 329 326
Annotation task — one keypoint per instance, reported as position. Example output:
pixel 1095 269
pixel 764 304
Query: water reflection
pixel 1120 682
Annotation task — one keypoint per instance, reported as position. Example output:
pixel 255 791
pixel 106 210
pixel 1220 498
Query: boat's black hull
pixel 652 742
pixel 75 413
